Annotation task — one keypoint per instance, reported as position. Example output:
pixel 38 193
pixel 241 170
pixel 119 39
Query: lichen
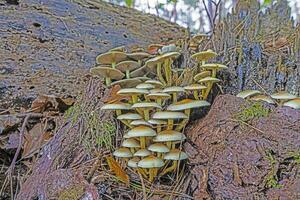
pixel 72 193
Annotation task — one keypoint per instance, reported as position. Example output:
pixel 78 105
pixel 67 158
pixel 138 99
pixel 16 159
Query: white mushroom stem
pixel 113 65
pixel 127 74
pixel 174 97
pixel 159 101
pixel 169 144
pixel 170 124
pixel 134 98
pixel 214 73
pixel 132 150
pixel 143 142
pixel 146 114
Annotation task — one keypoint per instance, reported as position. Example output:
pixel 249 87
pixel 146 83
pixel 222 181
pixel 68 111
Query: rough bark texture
pixel 231 160
pixel 48 46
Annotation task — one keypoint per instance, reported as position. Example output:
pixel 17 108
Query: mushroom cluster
pixel 281 98
pixel 155 109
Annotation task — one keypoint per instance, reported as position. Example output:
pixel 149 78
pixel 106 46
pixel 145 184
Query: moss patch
pixel 255 110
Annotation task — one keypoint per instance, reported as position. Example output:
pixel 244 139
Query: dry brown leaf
pixel 117 169
pixel 113 97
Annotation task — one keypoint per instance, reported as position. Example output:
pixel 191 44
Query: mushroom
pixel 159 149
pixel 131 143
pixel 140 72
pixel 146 107
pixel 156 83
pixel 133 92
pixel 118 107
pixel 170 137
pixel 158 97
pixel 119 49
pixel 123 152
pixel 133 163
pixel 214 68
pixel 137 49
pixel 127 83
pixel 127 66
pixel 111 57
pixel 204 56
pixel 208 81
pixel 170 116
pixel 202 75
pixel 196 88
pixel 128 117
pixel 174 90
pixel 153 164
pixel 145 86
pixel 142 132
pixel 283 97
pixel 107 73
pixel 295 103
pixel 159 123
pixel 248 93
pixel 262 98
pixel 175 155
pixel 156 64
pixel 140 122
pixel 142 153
pixel 167 59
pixel 138 56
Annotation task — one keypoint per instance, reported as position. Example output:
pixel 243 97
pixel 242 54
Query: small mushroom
pixel 202 75
pixel 283 97
pixel 170 116
pixel 159 149
pixel 159 124
pixel 107 73
pixel 196 88
pixel 204 56
pixel 133 92
pixel 153 164
pixel 214 68
pixel 142 132
pixel 118 107
pixel 156 83
pixel 208 81
pixel 262 98
pixel 123 153
pixel 111 57
pixel 133 163
pixel 140 72
pixel 127 83
pixel 145 86
pixel 248 93
pixel 138 56
pixel 170 137
pixel 175 155
pixel 128 117
pixel 119 49
pixel 142 153
pixel 158 97
pixel 174 90
pixel 140 122
pixel 131 143
pixel 146 107
pixel 295 103
pixel 127 66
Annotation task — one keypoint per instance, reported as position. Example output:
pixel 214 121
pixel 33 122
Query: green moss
pixel 271 180
pixel 73 193
pixel 255 110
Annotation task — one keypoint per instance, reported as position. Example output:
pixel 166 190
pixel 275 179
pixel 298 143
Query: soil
pixel 258 159
pixel 47 47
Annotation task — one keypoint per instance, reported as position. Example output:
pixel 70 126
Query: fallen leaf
pixel 113 96
pixel 117 169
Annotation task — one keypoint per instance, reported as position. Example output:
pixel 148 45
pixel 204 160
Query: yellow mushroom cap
pixel 176 154
pixel 140 122
pixel 283 96
pixel 131 91
pixel 127 83
pixel 201 75
pixel 173 89
pixel 195 86
pixel 209 79
pixel 151 162
pixel 157 121
pixel 133 162
pixel 262 98
pixel 146 86
pixel 188 105
pixel 169 55
pixel 213 66
pixel 111 57
pixel 116 106
pixel 248 93
pixel 159 147
pixel 169 136
pixel 138 55
pixel 158 95
pixel 142 131
pixel 155 90
pixel 104 72
pixel 131 143
pixel 295 103
pixel 129 116
pixel 122 153
pixel 204 55
pixel 127 65
pixel 142 153
pixel 169 115
pixel 146 105
pixel 155 83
